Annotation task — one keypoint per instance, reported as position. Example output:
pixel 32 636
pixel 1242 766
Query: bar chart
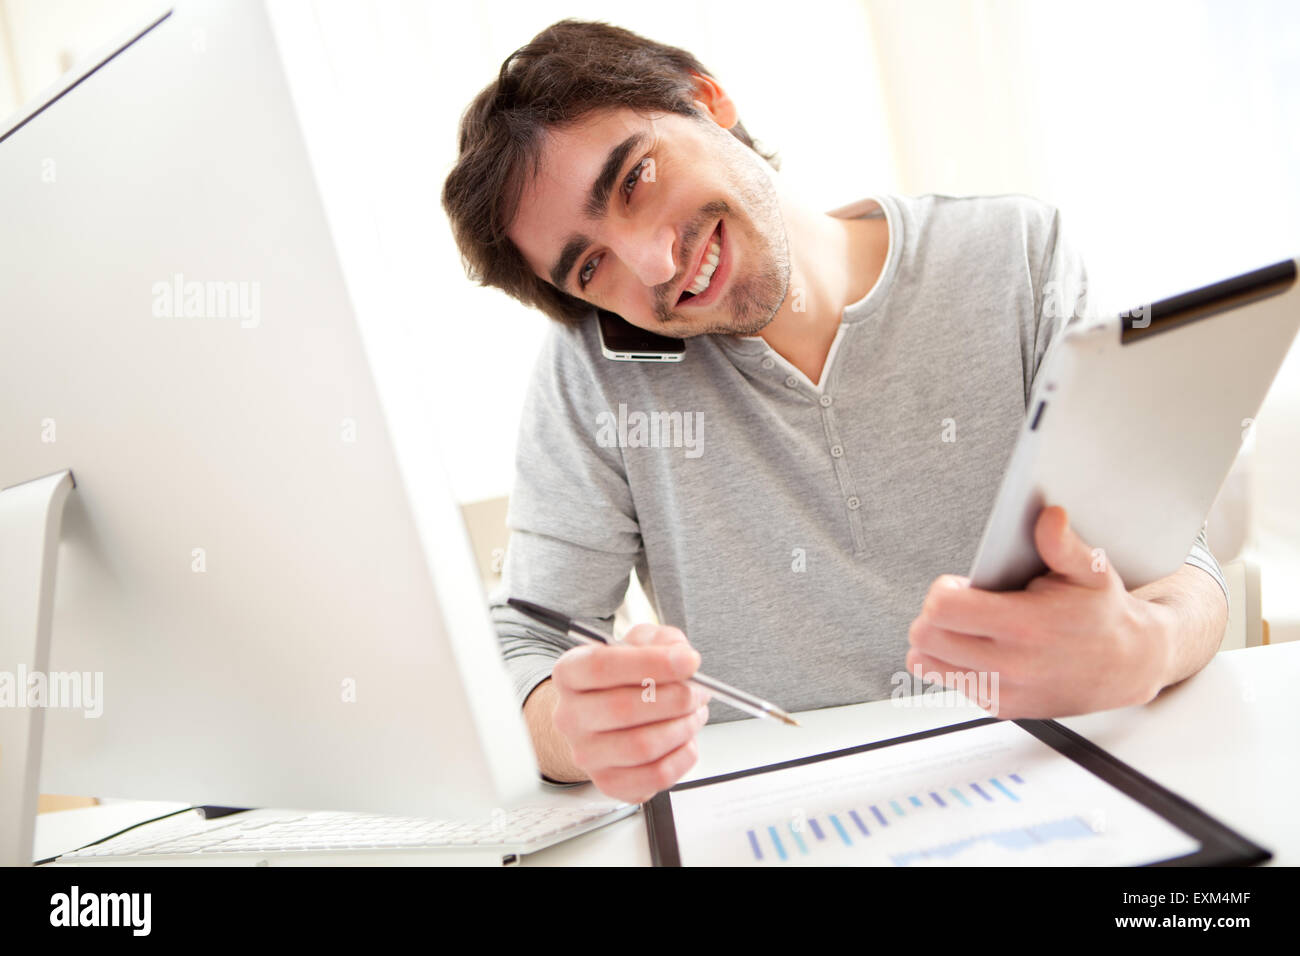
pixel 853 825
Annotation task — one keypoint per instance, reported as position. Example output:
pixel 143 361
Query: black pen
pixel 586 635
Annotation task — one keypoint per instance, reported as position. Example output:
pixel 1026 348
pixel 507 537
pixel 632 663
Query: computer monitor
pixel 261 556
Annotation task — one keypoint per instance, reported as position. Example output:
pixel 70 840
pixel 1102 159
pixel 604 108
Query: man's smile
pixel 710 273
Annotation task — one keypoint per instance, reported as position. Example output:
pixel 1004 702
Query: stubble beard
pixel 753 299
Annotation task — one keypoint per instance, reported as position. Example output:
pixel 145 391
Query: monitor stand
pixel 31 515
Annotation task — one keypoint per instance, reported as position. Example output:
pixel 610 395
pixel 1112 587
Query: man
pixel 855 381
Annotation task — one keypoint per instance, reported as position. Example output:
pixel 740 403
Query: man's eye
pixel 634 176
pixel 588 270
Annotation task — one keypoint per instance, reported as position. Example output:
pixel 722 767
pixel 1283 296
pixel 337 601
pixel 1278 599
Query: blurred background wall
pixel 1167 132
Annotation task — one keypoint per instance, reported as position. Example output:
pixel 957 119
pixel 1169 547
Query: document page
pixel 992 795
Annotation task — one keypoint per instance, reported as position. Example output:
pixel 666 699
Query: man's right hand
pixel 624 713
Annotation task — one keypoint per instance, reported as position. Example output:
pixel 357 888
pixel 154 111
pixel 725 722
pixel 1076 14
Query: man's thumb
pixel 1066 553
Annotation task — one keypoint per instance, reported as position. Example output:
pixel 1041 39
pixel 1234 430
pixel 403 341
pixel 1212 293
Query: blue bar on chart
pixel 998 783
pixel 798 840
pixel 776 840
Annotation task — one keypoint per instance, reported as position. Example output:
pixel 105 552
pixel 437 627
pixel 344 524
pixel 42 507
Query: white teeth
pixel 707 268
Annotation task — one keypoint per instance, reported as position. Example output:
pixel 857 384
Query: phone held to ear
pixel 622 341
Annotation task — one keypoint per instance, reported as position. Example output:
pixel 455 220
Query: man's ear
pixel 712 100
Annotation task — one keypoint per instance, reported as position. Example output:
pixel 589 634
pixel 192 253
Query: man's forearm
pixel 554 756
pixel 1196 619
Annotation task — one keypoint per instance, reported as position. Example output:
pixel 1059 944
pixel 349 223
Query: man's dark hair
pixel 570 69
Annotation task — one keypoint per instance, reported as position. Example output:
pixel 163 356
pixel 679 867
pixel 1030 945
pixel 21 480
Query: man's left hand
pixel 1072 642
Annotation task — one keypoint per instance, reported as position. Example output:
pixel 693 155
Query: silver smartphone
pixel 622 341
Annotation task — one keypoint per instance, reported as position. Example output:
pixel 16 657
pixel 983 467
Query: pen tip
pixel 790 720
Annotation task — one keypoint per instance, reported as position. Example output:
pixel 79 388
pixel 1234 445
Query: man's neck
pixel 833 263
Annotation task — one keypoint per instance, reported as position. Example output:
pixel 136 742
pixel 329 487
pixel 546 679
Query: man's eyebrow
pixel 596 205
pixel 598 199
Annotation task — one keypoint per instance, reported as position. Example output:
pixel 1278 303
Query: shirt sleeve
pixel 1201 557
pixel 1061 291
pixel 1062 296
pixel 574 536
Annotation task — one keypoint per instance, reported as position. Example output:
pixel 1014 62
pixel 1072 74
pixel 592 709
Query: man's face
pixel 625 209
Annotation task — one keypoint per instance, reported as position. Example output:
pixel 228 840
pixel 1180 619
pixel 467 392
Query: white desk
pixel 1226 740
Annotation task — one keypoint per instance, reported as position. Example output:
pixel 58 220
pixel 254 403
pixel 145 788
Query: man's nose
pixel 649 254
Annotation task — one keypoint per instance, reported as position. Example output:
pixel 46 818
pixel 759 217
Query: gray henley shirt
pixel 791 529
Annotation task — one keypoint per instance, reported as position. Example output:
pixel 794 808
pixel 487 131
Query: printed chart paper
pixel 992 795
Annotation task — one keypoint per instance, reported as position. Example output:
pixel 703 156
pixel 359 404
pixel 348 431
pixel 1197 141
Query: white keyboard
pixel 517 831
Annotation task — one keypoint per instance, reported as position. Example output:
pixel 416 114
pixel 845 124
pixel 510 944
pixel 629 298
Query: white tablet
pixel 1134 423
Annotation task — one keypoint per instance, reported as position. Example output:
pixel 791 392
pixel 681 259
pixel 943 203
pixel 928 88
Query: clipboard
pixel 1218 845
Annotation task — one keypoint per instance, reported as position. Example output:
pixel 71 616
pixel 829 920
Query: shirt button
pixel 836 451
pixel 826 401
pixel 768 363
pixel 853 503
pixel 791 381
